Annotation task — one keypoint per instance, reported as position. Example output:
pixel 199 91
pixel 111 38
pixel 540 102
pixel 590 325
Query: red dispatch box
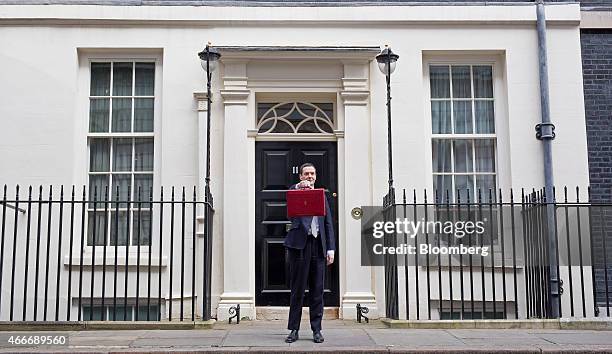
pixel 305 202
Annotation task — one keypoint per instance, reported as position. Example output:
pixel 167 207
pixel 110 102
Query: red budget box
pixel 305 202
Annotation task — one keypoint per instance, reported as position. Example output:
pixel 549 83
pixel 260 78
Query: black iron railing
pixel 513 281
pixel 70 255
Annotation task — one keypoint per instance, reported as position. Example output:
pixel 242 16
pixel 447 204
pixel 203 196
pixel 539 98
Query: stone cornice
pixel 355 98
pixel 201 98
pixel 235 96
pixel 475 13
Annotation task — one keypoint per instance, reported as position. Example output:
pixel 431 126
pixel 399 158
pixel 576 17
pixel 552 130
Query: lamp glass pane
pixel 383 67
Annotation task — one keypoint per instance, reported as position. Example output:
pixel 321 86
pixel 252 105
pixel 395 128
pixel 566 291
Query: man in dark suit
pixel 310 245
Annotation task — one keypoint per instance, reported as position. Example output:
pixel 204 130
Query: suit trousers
pixel 306 266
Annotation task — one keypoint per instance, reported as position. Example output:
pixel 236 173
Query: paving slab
pixel 337 338
pixel 497 333
pixel 255 340
pixel 184 334
pixel 592 338
pixel 418 337
pixel 506 342
pixel 177 342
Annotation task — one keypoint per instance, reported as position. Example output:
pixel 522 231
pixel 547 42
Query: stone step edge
pixel 102 325
pixel 564 323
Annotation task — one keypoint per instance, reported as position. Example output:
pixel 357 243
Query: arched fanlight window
pixel 295 118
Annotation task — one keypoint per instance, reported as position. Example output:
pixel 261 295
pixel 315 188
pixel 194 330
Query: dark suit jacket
pixel 297 235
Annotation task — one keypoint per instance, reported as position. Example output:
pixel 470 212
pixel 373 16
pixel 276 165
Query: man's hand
pixel 305 184
pixel 330 257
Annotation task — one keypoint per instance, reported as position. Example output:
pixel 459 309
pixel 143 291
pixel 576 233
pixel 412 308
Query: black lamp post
pixel 386 63
pixel 209 59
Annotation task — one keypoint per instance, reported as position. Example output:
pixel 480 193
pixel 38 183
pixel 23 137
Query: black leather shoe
pixel 292 337
pixel 318 337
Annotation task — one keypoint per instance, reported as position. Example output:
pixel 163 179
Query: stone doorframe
pixel 353 128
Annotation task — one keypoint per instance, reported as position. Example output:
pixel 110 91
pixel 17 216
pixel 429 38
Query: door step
pixel 282 313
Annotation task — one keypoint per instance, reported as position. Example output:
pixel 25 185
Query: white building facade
pixel 103 95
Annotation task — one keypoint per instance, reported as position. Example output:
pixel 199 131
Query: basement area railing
pixel 77 254
pixel 482 254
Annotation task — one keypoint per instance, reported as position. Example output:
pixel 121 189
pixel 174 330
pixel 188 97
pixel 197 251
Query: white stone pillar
pixel 356 280
pixel 201 99
pixel 238 237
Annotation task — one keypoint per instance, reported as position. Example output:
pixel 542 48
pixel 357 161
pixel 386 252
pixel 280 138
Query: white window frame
pixel 86 57
pixel 131 305
pixel 495 60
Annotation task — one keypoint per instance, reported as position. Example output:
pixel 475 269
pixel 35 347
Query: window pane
pixel 143 115
pixel 122 114
pixel 100 79
pixel 485 117
pixel 441 155
pixel 262 109
pixel 122 79
pixel 307 110
pixel 328 109
pixel 97 186
pixel 122 154
pixel 98 224
pixel 439 81
pixel 98 115
pixel 309 127
pixel 462 112
pixel 464 184
pixel 486 183
pixel 119 313
pixel 145 183
pixel 440 117
pixel 153 313
pixel 144 154
pixel 463 155
pixel 145 79
pixel 282 127
pixel 442 183
pixel 119 226
pixel 485 155
pixel 145 228
pixel 325 126
pixel 462 195
pixel 99 155
pixel 283 110
pixel 483 81
pixel 97 313
pixel 266 126
pixel 122 182
pixel 461 82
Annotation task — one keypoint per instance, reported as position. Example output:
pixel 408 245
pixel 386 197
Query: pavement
pixel 341 336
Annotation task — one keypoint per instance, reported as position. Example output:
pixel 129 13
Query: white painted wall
pixel 43 91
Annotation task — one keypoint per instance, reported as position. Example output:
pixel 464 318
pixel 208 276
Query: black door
pixel 276 169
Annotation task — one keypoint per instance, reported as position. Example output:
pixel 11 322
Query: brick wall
pixel 597 74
